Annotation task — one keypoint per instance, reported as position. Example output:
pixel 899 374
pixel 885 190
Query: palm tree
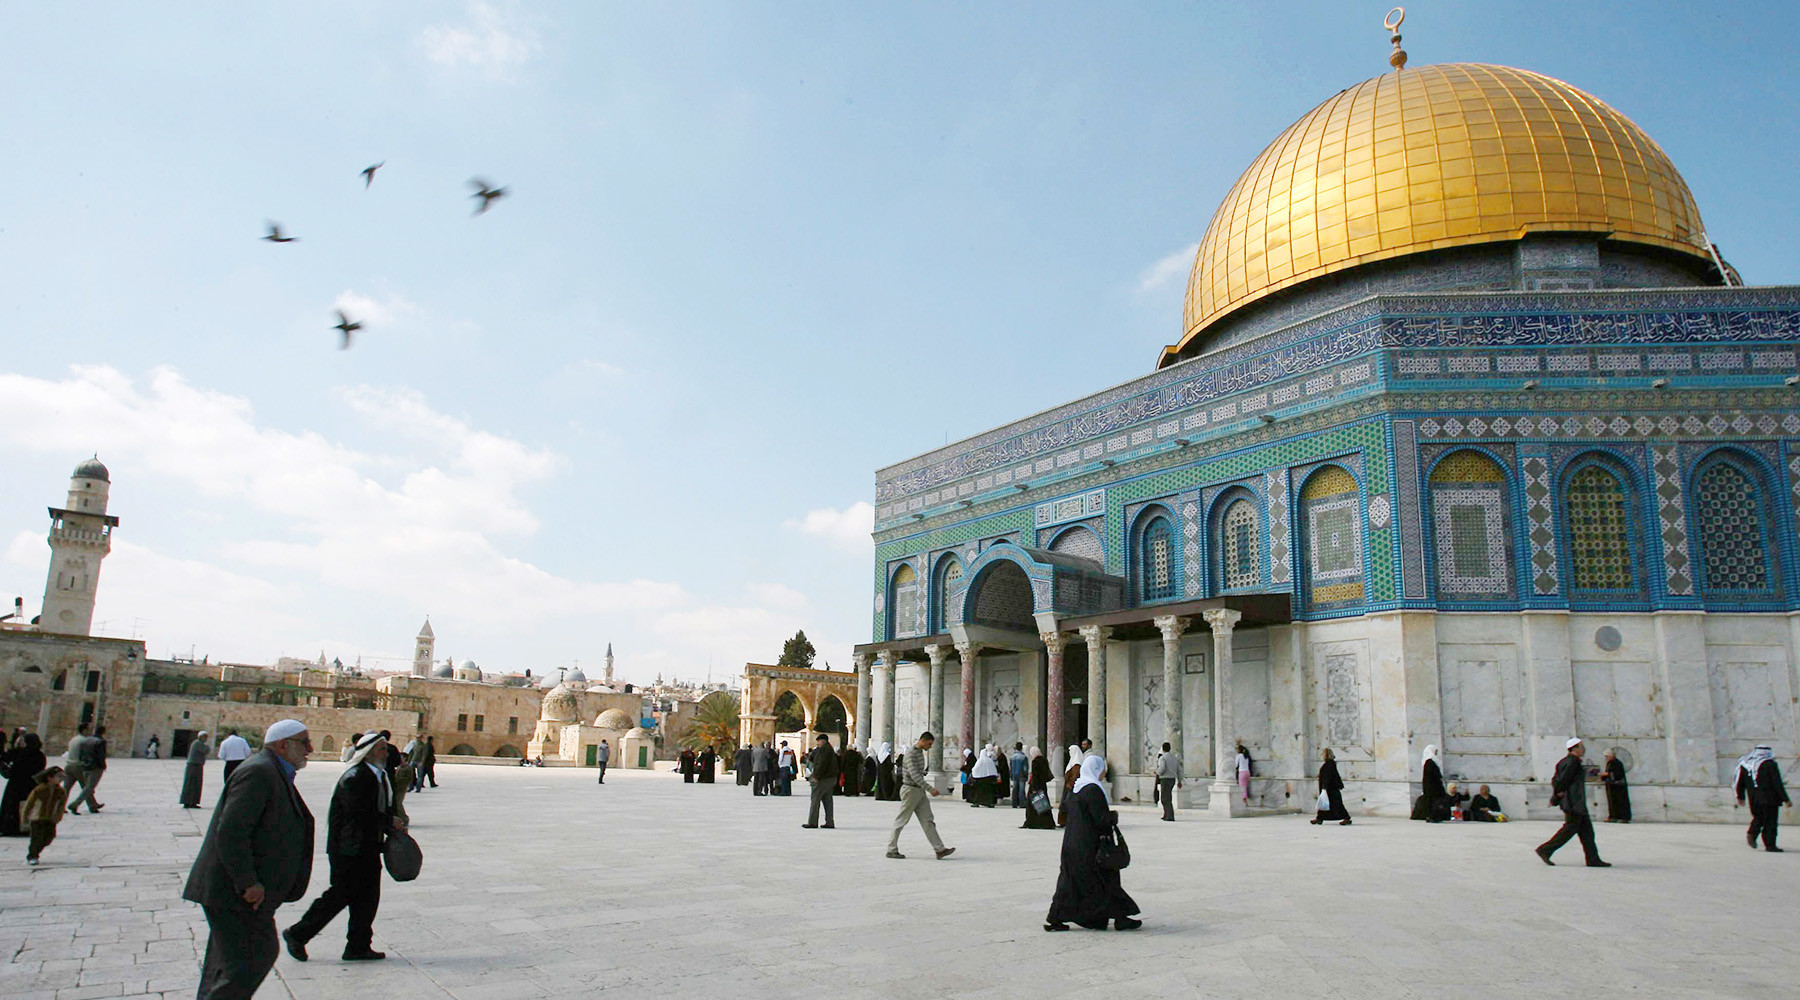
pixel 715 723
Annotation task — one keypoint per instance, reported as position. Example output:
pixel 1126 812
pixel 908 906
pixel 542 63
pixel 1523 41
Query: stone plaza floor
pixel 538 883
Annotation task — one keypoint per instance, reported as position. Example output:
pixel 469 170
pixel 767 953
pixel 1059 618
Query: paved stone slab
pixel 540 884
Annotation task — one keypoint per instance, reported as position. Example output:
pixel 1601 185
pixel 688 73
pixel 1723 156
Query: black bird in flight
pixel 276 236
pixel 347 326
pixel 369 174
pixel 486 193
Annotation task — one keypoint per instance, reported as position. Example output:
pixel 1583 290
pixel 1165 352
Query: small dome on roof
pixel 445 670
pixel 92 469
pixel 638 733
pixel 575 675
pixel 562 704
pixel 614 718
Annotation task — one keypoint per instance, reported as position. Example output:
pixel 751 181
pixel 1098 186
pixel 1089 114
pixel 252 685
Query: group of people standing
pixel 768 769
pixel 701 765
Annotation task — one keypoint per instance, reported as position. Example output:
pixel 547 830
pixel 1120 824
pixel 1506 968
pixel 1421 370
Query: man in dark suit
pixel 1759 780
pixel 824 782
pixel 362 813
pixel 256 856
pixel 1569 790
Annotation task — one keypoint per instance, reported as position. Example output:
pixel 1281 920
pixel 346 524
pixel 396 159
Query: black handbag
pixel 402 856
pixel 1114 852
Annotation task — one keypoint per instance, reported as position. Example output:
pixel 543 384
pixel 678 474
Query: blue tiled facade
pixel 1655 385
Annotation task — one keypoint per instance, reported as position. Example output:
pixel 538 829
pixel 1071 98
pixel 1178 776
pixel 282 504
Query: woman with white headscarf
pixel 1071 775
pixel 887 785
pixel 1433 805
pixel 1087 892
pixel 984 778
pixel 1037 782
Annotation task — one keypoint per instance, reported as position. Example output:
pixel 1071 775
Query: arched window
pixel 1333 517
pixel 905 603
pixel 949 574
pixel 1240 546
pixel 1734 537
pixel 1599 520
pixel 1468 518
pixel 1157 567
pixel 329 746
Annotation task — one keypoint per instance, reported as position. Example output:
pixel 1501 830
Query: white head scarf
pixel 887 750
pixel 1034 752
pixel 1092 767
pixel 984 765
pixel 363 746
pixel 1431 753
pixel 1074 758
pixel 1749 762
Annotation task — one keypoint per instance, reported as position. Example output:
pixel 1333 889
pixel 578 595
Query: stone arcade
pixel 1471 438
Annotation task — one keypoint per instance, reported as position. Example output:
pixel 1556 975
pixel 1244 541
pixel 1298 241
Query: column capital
pixel 967 651
pixel 1222 620
pixel 1055 642
pixel 1093 635
pixel 937 653
pixel 886 659
pixel 1172 626
pixel 862 661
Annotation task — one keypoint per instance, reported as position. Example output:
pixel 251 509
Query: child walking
pixel 42 810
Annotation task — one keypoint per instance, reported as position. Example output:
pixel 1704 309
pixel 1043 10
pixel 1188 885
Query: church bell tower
pixel 80 536
pixel 422 651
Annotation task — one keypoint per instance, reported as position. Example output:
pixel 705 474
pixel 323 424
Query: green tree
pixel 715 723
pixel 790 716
pixel 797 652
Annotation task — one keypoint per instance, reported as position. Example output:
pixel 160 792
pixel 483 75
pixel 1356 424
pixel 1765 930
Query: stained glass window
pixel 1599 531
pixel 1239 548
pixel 1333 511
pixel 906 602
pixel 1158 561
pixel 1468 505
pixel 1731 535
pixel 947 579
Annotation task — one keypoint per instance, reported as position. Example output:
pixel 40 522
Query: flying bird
pixel 369 174
pixel 276 235
pixel 486 193
pixel 347 326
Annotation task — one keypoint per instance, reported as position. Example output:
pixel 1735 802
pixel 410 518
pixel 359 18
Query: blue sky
pixel 752 252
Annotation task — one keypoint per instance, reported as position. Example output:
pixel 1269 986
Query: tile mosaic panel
pixel 1275 487
pixel 1540 520
pixel 1406 475
pixel 1671 515
pixel 1733 547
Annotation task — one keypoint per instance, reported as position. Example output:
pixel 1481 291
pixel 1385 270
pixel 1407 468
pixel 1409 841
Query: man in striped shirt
pixel 914 789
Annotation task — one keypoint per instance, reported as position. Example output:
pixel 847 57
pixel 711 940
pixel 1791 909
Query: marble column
pixel 967 653
pixel 934 711
pixel 882 688
pixel 1095 636
pixel 1172 626
pixel 861 732
pixel 1225 800
pixel 892 701
pixel 1055 701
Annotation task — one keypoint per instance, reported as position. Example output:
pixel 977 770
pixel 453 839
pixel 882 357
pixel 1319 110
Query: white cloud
pixel 1175 264
pixel 487 40
pixel 374 311
pixel 778 596
pixel 848 530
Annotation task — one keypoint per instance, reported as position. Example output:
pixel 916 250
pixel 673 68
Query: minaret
pixel 80 536
pixel 423 650
pixel 609 662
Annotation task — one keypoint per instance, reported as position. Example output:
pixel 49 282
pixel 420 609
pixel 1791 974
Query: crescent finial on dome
pixel 1396 58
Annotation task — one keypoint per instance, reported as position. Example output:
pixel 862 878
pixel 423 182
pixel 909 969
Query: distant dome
pixel 562 704
pixel 613 718
pixel 638 733
pixel 92 469
pixel 444 671
pixel 469 665
pixel 575 675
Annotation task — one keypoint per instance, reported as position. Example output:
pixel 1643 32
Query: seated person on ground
pixel 1485 808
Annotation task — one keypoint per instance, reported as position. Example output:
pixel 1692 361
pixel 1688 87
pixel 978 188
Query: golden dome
pixel 1427 158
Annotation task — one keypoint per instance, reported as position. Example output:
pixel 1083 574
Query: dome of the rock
pixel 1430 158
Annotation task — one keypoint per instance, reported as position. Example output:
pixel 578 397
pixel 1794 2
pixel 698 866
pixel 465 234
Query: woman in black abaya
pixel 1434 803
pixel 1087 892
pixel 1333 788
pixel 1038 783
pixel 23 764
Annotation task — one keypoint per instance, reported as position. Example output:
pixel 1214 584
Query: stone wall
pixel 163 714
pixel 51 682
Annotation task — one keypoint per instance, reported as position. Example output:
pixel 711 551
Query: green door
pixel 643 756
pixel 593 758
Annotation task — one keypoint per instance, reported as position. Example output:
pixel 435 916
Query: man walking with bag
pixel 257 855
pixel 1569 790
pixel 362 813
pixel 914 790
